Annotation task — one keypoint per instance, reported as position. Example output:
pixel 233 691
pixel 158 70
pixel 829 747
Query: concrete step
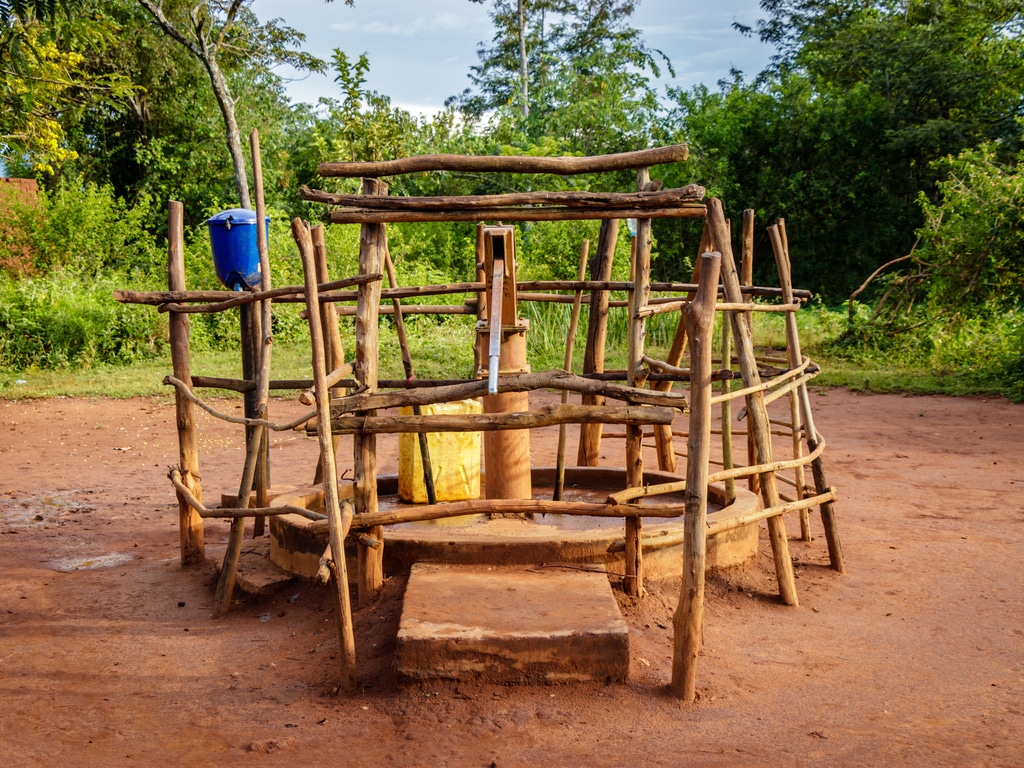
pixel 510 625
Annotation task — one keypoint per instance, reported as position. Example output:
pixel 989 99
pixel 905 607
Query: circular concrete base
pixel 297 544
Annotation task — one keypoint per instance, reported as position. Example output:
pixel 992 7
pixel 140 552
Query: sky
pixel 420 51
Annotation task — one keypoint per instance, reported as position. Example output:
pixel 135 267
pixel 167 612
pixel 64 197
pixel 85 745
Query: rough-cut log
pixel 171 301
pixel 589 449
pixel 419 512
pixel 491 422
pixel 332 502
pixel 729 524
pixel 560 213
pixel 700 317
pixel 560 166
pixel 372 247
pixel 828 517
pixel 633 582
pixel 756 410
pixel 574 320
pixel 513 383
pixel 229 299
pixel 190 525
pixel 639 200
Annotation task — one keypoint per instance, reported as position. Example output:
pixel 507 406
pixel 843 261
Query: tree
pixel 571 73
pixel 841 133
pixel 215 30
pixel 44 78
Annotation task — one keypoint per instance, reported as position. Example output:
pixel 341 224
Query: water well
pixel 297 544
pixel 484 536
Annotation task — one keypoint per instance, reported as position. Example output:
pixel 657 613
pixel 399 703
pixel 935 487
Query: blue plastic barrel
pixel 236 258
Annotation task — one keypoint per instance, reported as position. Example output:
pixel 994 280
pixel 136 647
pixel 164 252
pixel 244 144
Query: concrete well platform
pixel 510 625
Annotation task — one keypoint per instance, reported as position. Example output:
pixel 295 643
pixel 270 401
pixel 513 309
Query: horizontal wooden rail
pixel 638 200
pixel 559 166
pixel 632 494
pixel 227 299
pixel 731 523
pixel 554 379
pixel 493 422
pixel 365 216
pixel 236 512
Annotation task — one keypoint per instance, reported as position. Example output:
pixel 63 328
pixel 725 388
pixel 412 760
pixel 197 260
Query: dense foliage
pixel 887 133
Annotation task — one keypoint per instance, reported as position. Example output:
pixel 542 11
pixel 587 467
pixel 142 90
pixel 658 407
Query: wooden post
pixel 403 344
pixel 190 524
pixel 254 446
pixel 757 412
pixel 795 421
pixel 574 320
pixel 334 351
pixel 372 242
pixel 636 376
pixel 332 505
pixel 727 457
pixel 265 327
pixel 689 613
pixel 663 435
pixel 746 279
pixel 589 454
pixel 828 518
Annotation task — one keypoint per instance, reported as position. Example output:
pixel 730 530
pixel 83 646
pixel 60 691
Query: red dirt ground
pixel 915 657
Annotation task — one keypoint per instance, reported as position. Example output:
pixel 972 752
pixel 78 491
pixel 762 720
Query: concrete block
pixel 510 625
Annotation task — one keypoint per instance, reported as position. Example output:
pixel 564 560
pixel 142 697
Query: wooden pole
pixel 662 436
pixel 686 621
pixel 255 444
pixel 589 454
pixel 509 164
pixel 372 245
pixel 747 278
pixel 403 343
pixel 334 350
pixel 332 504
pixel 727 457
pixel 190 524
pixel 266 327
pixel 480 350
pixel 636 376
pixel 794 403
pixel 828 517
pixel 574 320
pixel 757 412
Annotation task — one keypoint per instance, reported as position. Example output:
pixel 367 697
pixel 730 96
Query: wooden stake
pixel 190 524
pixel 266 329
pixel 332 504
pixel 638 297
pixel 828 518
pixel 747 278
pixel 255 446
pixel 589 454
pixel 334 351
pixel 756 410
pixel 372 245
pixel 727 458
pixel 509 164
pixel 689 612
pixel 403 343
pixel 662 436
pixel 570 344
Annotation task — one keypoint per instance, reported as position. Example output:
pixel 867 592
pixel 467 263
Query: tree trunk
pixel 522 59
pixel 227 109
